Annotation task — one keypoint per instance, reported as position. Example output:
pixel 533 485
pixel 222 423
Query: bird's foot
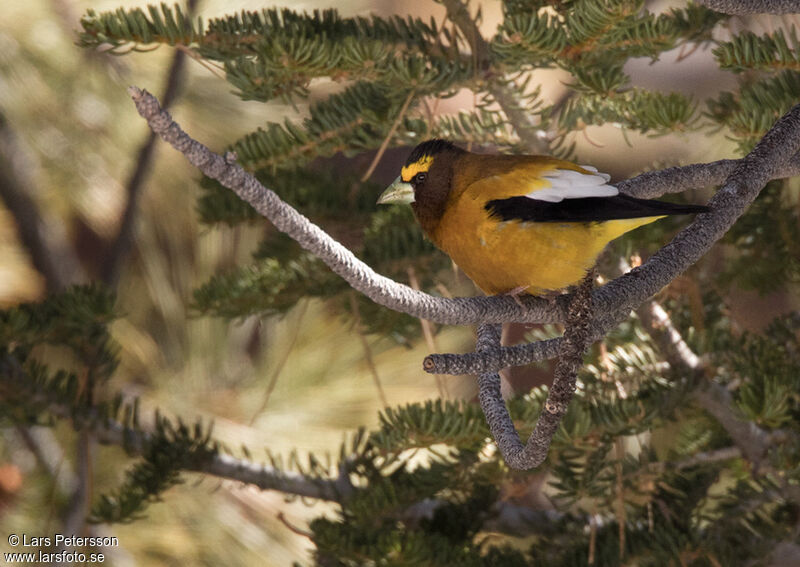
pixel 516 292
pixel 551 296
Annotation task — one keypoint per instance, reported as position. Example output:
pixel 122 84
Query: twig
pixel 770 159
pixel 388 138
pixel 658 324
pixel 123 242
pixel 367 350
pixel 273 380
pixel 214 68
pixel 619 450
pixel 41 442
pixel 684 53
pixel 570 360
pixel 292 528
pixel 592 535
pixel 78 509
pixel 518 117
pixel 585 132
pixel 427 332
pixel 47 451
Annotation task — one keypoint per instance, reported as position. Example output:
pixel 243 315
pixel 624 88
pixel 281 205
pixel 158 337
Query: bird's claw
pixel 515 293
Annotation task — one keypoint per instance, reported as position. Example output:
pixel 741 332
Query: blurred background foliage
pixel 218 317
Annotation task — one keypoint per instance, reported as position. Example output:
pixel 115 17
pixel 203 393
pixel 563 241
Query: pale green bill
pixel 398 192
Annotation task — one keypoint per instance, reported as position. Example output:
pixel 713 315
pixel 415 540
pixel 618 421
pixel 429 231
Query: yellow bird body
pixel 501 256
pixel 531 224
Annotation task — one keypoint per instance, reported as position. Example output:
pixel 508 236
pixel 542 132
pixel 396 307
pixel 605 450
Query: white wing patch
pixel 570 184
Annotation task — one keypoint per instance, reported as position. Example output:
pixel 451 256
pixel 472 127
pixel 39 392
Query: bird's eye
pixel 419 178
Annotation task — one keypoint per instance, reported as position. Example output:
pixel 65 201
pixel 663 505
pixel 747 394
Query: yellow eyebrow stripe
pixel 420 166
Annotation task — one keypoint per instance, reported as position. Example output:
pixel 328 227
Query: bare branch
pixel 576 336
pixel 385 144
pixel 50 253
pixel 653 184
pixel 427 332
pixel 135 441
pixel 281 362
pixel 751 441
pixel 232 468
pixel 724 454
pixel 517 355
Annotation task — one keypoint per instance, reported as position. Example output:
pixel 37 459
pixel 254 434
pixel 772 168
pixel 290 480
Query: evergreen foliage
pixel 641 469
pixel 276 53
pixel 769 229
pixel 436 510
pixel 75 322
pixel 168 451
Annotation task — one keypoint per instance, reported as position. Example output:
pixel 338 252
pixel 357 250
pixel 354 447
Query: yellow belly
pixel 540 257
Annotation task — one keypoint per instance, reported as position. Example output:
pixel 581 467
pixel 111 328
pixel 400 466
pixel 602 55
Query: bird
pixel 518 224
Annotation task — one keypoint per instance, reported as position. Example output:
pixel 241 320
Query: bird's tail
pixel 647 207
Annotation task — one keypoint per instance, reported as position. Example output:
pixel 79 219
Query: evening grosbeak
pixel 518 224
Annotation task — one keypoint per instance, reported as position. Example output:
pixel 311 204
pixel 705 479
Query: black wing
pixel 586 209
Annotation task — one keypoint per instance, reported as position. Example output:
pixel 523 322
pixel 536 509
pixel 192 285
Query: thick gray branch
pixel 517 355
pixel 741 188
pixel 741 7
pixel 534 452
pixel 677 179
